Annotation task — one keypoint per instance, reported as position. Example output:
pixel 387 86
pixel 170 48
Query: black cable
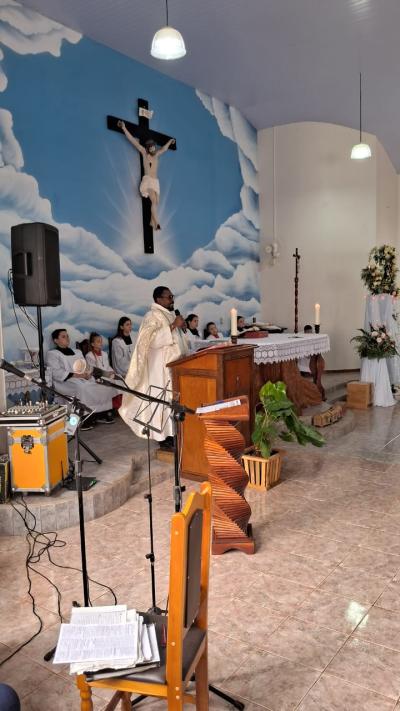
pixel 11 290
pixel 34 537
pixel 58 543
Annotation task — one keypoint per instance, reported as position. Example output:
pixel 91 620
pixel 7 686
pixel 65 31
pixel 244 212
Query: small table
pixel 276 359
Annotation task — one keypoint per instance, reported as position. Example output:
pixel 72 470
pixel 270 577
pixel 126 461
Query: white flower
pixel 379 340
pixel 374 334
pixel 383 336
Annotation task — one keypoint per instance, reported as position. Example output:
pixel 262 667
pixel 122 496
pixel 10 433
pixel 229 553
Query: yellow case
pixel 38 456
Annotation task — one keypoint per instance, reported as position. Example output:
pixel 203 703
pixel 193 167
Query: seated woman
pixel 122 347
pixel 69 378
pixel 211 332
pixel 192 332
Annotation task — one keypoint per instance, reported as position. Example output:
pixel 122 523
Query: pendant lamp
pixel 360 150
pixel 168 43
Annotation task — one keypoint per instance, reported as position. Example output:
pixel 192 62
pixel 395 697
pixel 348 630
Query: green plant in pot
pixel 277 419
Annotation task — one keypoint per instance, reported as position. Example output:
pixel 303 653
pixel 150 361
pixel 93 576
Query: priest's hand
pixel 178 322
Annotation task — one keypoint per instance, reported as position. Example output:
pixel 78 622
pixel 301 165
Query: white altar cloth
pixel 280 347
pixel 374 370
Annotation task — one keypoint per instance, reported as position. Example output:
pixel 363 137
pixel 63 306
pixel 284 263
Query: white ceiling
pixel 278 61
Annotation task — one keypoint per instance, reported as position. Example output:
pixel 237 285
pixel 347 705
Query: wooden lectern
pixel 224 447
pixel 215 373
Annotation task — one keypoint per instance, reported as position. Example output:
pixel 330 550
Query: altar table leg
pixel 317 367
pixel 302 392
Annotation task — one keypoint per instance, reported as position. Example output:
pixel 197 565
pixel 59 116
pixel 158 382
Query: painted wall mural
pixel 59 164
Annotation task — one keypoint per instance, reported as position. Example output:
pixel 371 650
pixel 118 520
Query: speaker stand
pixel 42 370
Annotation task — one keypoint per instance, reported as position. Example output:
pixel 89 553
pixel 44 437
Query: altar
pixel 276 357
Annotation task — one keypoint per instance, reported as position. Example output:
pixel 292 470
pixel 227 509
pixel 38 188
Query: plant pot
pixel 263 473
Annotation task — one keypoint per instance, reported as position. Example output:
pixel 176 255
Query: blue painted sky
pixel 90 174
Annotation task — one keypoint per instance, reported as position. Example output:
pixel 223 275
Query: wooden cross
pixel 143 133
pixel 297 257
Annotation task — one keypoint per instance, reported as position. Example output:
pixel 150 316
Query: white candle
pixel 317 319
pixel 234 330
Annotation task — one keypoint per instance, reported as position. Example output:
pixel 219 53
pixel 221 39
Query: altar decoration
pixel 379 276
pixel 376 343
pixel 376 348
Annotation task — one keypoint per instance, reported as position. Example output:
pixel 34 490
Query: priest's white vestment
pixel 156 346
pixel 97 397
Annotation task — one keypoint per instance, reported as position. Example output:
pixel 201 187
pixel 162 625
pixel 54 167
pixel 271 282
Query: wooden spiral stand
pixel 224 446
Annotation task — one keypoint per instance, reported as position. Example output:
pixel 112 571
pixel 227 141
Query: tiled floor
pixel 310 622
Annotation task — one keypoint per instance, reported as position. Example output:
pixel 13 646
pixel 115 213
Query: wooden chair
pixel 185 652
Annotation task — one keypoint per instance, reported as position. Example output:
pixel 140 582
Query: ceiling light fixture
pixel 360 150
pixel 167 42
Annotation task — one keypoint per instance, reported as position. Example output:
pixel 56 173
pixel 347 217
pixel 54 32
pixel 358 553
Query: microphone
pixel 100 373
pixel 10 368
pixel 177 312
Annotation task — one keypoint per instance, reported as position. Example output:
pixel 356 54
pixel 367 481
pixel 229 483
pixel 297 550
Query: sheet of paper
pixel 155 653
pixel 96 643
pixel 105 615
pixel 216 406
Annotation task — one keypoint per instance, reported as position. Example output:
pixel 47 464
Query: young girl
pixel 97 358
pixel 211 332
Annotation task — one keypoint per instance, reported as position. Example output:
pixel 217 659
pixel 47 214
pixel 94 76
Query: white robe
pixel 98 361
pixel 156 346
pixel 121 355
pixel 97 397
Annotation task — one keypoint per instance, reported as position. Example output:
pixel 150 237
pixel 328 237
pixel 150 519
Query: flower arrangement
pixel 379 275
pixel 376 343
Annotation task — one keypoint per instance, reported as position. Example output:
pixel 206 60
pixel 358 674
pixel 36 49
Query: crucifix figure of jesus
pixel 150 185
pixel 146 141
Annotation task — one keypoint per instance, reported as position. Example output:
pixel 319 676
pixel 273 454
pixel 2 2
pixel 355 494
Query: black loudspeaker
pixel 35 257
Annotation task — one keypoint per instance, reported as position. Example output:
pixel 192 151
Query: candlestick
pixel 316 327
pixel 234 328
pixel 317 319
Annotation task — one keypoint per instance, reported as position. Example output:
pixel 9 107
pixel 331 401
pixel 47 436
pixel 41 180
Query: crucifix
pixel 297 257
pixel 145 141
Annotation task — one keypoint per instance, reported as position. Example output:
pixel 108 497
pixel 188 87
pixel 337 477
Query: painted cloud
pixel 98 285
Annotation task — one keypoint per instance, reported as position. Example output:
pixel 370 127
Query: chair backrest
pixel 189 573
pixel 83 346
pixel 110 340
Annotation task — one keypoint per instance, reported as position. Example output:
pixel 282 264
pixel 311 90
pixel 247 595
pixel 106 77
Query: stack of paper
pixel 106 638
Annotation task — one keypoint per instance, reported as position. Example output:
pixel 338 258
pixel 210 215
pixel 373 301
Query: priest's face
pixel 166 300
pixel 63 340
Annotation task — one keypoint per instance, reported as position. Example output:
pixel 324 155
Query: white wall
pixel 331 209
pixel 387 188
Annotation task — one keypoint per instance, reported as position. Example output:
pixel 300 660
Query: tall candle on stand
pixel 317 318
pixel 234 329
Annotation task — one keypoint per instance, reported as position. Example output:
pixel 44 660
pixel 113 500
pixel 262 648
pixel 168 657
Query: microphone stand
pixel 179 413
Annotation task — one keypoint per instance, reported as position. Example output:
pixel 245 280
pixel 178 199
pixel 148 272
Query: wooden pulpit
pixel 224 446
pixel 215 373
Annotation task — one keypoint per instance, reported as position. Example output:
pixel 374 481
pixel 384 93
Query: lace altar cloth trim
pixel 280 347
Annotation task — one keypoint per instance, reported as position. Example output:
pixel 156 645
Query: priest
pixel 70 377
pixel 160 340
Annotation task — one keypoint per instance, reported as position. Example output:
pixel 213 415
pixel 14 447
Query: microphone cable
pixel 44 542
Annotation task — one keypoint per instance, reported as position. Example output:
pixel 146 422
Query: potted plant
pixel 275 419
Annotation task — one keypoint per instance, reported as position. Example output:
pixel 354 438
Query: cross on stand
pixel 297 257
pixel 143 133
